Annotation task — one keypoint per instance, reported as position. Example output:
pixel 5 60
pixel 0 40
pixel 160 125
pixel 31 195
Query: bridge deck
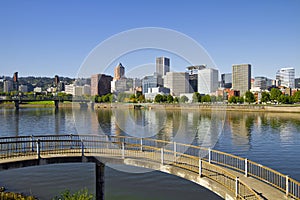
pixel 264 190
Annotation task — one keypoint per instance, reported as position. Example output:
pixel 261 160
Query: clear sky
pixel 45 38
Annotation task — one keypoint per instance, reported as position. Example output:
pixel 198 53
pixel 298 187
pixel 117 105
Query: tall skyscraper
pixel 56 80
pixel 119 72
pixel 100 84
pixel 241 78
pixel 162 65
pixel 286 77
pixel 177 82
pixel 15 82
pixel 208 80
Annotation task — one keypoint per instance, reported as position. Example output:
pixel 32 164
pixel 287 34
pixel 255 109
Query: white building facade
pixel 286 77
pixel 208 80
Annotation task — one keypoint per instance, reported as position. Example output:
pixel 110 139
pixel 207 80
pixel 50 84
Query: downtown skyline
pixel 49 38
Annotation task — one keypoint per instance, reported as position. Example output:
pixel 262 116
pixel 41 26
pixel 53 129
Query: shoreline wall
pixel 207 107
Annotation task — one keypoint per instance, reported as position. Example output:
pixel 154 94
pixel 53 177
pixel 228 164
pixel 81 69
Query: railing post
pixel 107 141
pixel 32 143
pixel 141 143
pixel 38 148
pixel 162 155
pixel 200 167
pixel 246 167
pixel 175 150
pixel 71 138
pixel 209 155
pixel 287 185
pixel 82 147
pixel 123 150
pixel 236 187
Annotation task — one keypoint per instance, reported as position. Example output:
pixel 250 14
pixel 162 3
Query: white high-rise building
pixel 286 77
pixel 177 82
pixel 208 80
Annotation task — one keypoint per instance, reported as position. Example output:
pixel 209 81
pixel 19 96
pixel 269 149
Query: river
pixel 271 139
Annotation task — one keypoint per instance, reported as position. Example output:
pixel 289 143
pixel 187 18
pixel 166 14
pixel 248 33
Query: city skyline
pixel 42 44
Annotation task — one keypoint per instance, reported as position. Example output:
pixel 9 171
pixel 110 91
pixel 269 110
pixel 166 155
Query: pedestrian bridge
pixel 229 176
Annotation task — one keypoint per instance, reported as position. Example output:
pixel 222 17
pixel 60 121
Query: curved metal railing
pixel 206 162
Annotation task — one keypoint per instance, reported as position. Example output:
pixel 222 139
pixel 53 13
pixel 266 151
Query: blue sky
pixel 45 38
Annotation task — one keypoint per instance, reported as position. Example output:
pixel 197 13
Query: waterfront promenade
pixel 229 176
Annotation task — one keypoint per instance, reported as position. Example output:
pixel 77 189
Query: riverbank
pixel 149 106
pixel 205 107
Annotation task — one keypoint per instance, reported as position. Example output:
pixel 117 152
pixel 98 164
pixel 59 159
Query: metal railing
pixel 206 162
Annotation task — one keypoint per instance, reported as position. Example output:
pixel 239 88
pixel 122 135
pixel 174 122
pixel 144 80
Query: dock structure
pixel 229 176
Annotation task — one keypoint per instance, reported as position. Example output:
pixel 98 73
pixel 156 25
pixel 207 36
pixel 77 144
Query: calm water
pixel 267 138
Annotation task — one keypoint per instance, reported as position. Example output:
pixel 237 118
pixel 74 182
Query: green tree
pixel 170 99
pixel 285 99
pixel 240 99
pixel 213 98
pixel 265 97
pixel 206 98
pixel 183 99
pixel 79 195
pixel 158 98
pixel 220 98
pixel 142 98
pixel 275 94
pixel 196 97
pixel 249 97
pixel 232 99
pixel 296 97
pixel 176 100
pixel 164 98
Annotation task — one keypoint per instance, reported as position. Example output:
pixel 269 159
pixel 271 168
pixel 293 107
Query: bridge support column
pixel 17 105
pixel 99 181
pixel 56 103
